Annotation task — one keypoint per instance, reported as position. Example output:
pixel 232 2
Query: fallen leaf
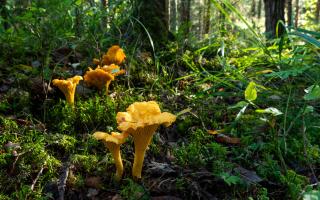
pixel 222 138
pixel 215 132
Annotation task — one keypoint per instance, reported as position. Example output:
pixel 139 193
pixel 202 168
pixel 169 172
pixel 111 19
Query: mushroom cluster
pixel 100 77
pixel 141 121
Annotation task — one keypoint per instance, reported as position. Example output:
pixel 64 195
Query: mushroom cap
pixel 67 86
pixel 142 114
pixel 114 137
pixel 115 55
pixel 97 77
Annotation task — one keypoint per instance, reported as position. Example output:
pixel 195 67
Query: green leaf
pixel 311 195
pixel 78 2
pixel 230 179
pixel 312 93
pixel 250 93
pixel 308 109
pixel 270 110
pixel 306 38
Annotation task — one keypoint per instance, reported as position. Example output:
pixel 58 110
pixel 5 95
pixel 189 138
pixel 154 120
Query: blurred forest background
pixel 242 76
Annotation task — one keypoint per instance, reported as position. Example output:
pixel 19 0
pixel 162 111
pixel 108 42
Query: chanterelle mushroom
pixel 113 142
pixel 141 121
pixel 102 76
pixel 68 87
pixel 115 55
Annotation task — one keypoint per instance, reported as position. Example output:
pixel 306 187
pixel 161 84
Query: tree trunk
pixel 207 17
pixel 4 13
pixel 318 12
pixel 289 12
pixel 259 8
pixel 253 8
pixel 153 14
pixel 78 21
pixel 185 15
pixel 274 11
pixel 296 19
pixel 173 15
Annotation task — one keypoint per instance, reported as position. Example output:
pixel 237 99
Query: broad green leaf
pixel 312 92
pixel 312 195
pixel 250 93
pixel 270 110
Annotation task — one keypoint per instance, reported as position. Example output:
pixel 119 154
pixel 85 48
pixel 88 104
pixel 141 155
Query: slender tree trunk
pixel 318 12
pixel 289 12
pixel 200 18
pixel 173 15
pixel 222 22
pixel 253 8
pixel 274 11
pixel 259 8
pixel 78 22
pixel 185 15
pixel 296 19
pixel 4 13
pixel 207 17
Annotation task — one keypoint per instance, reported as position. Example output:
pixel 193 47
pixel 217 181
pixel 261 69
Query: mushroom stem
pixel 70 98
pixel 118 161
pixel 107 87
pixel 141 138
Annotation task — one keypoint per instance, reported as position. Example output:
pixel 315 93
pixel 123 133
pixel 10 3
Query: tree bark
pixel 173 15
pixel 153 14
pixel 289 12
pixel 318 12
pixel 4 13
pixel 296 19
pixel 253 8
pixel 185 15
pixel 274 11
pixel 259 8
pixel 207 17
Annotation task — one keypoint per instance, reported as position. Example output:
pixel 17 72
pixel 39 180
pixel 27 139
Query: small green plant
pixel 133 191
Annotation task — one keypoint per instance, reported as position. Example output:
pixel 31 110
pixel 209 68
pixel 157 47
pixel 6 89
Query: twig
pixel 63 180
pixel 38 176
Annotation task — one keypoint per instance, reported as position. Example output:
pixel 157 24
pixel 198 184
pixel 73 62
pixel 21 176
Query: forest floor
pixel 241 134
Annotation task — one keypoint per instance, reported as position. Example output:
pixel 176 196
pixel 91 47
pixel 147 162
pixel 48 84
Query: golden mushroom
pixel 141 121
pixel 115 55
pixel 102 76
pixel 113 142
pixel 68 87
